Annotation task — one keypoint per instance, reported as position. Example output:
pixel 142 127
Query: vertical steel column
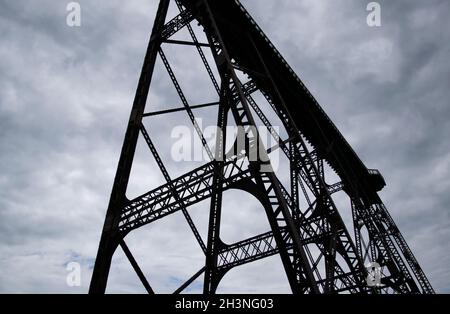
pixel 212 277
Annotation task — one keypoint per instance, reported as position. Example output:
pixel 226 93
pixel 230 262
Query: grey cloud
pixel 65 96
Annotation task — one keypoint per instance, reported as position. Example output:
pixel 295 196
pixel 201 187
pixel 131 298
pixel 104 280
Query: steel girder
pixel 337 263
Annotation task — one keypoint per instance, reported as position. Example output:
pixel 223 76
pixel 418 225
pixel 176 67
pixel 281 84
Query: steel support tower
pixel 319 252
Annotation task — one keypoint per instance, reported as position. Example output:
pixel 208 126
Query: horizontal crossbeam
pixel 155 113
pixel 264 245
pixel 191 188
pixel 186 43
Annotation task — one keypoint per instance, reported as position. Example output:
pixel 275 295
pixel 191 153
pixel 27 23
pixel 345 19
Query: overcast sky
pixel 65 98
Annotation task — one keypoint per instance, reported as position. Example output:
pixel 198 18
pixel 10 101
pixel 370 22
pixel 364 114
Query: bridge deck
pixel 241 35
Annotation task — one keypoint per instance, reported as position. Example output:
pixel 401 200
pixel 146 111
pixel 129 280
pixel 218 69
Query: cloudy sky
pixel 65 97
